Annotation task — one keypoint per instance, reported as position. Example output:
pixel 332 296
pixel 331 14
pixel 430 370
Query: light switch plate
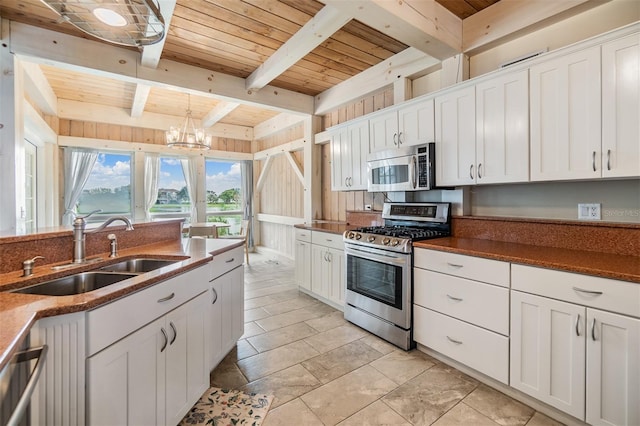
pixel 589 211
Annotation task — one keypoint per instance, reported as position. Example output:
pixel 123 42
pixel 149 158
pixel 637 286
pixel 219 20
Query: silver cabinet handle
pixel 215 293
pixel 166 339
pixel 578 325
pixel 455 299
pixel 399 138
pixel 608 159
pixel 457 342
pixel 169 297
pixel 395 139
pixel 593 330
pixel 480 171
pixel 594 161
pixel 230 260
pixel 175 333
pixel 346 181
pixel 39 353
pixel 581 290
pixel 454 265
pixel 329 257
pixel 471 171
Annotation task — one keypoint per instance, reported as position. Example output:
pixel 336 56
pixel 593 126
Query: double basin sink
pixel 84 282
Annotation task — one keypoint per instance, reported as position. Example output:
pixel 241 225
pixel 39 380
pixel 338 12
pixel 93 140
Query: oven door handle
pixel 391 259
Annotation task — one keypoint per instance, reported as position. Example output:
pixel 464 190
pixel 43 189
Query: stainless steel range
pixel 379 268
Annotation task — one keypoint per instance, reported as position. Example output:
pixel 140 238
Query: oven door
pixel 379 282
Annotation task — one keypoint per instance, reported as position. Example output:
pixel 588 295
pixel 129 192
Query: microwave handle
pixel 414 172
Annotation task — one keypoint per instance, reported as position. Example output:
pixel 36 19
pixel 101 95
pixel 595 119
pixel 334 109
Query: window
pixel 108 187
pixel 173 196
pixel 224 195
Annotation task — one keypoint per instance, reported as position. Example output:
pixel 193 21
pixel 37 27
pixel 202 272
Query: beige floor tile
pixel 336 337
pixel 251 329
pixel 266 291
pixel 401 366
pixel 376 414
pixel 462 414
pixel 258 302
pixel 499 407
pixel 327 322
pixel 227 375
pixel 290 292
pixel 244 349
pixel 281 336
pixel 340 361
pixel 266 363
pixel 423 399
pixel 290 305
pixel 255 314
pixel 540 419
pixel 288 318
pixel 285 385
pixel 294 413
pixel 341 398
pixel 378 344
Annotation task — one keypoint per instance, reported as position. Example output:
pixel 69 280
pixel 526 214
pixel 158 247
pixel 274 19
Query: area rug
pixel 223 407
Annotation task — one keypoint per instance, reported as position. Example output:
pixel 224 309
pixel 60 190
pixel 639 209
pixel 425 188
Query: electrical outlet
pixel 589 211
pixel 367 206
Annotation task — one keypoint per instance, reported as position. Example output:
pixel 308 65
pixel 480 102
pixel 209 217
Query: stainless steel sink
pixel 75 284
pixel 139 265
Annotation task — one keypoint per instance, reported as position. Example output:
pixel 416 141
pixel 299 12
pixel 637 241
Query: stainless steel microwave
pixel 410 168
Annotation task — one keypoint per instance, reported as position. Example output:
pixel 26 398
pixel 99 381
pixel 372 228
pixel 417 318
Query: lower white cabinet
pixel 572 354
pixel 154 375
pixel 327 268
pixel 303 258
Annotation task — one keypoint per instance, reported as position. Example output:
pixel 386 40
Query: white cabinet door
pixel 547 351
pixel 416 123
pixel 621 107
pixel 383 130
pixel 215 323
pixel 126 380
pixel 320 277
pixel 613 369
pixel 339 151
pixel 337 291
pixel 349 150
pixel 455 137
pixel 237 302
pixel 502 129
pixel 566 117
pixel 225 321
pixel 303 264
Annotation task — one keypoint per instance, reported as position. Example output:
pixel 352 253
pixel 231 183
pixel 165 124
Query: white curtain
pixel 78 164
pixel 246 168
pixel 151 173
pixel 190 170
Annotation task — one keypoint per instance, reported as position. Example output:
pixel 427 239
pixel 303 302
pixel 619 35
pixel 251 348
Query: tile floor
pixel 323 370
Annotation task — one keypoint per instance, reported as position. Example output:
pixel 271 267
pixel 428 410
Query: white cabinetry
pixel 349 150
pixel 621 107
pixel 159 370
pixel 566 117
pixel 573 341
pixel 327 268
pixel 410 124
pixel 303 258
pixel 464 319
pixel 455 137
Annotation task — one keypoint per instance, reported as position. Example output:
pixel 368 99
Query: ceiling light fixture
pixel 124 22
pixel 188 136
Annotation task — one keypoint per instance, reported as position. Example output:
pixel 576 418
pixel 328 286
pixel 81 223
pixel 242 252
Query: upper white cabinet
pixel 410 124
pixel 502 129
pixel 566 117
pixel 621 107
pixel 349 150
pixel 455 137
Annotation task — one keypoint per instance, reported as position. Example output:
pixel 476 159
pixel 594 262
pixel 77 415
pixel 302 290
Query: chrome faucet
pixel 79 232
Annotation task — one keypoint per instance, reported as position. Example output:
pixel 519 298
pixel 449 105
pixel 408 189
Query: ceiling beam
pixel 139 100
pixel 318 29
pixel 39 89
pixel 218 113
pixel 423 24
pixel 151 54
pixel 405 64
pixel 87 56
pixel 276 124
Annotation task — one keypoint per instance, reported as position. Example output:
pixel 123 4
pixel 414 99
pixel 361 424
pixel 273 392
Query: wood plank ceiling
pixel 233 37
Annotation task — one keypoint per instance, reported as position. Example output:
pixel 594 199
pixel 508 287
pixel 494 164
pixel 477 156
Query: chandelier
pixel 188 136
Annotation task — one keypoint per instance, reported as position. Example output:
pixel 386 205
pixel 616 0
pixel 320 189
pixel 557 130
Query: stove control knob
pixel 371 239
pixel 386 241
pixel 395 242
pixel 351 235
pixel 358 236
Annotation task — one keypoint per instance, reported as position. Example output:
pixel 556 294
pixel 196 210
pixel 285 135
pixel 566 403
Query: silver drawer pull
pixel 578 325
pixel 175 333
pixel 455 299
pixel 581 290
pixel 457 342
pixel 593 330
pixel 215 294
pixel 166 339
pixel 230 260
pixel 454 265
pixel 169 297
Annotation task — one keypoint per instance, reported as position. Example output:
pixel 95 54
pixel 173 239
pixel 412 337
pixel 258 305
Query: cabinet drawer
pixel 475 268
pixel 482 350
pixel 303 235
pixel 225 262
pixel 481 304
pixel 607 294
pixel 110 323
pixel 327 239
